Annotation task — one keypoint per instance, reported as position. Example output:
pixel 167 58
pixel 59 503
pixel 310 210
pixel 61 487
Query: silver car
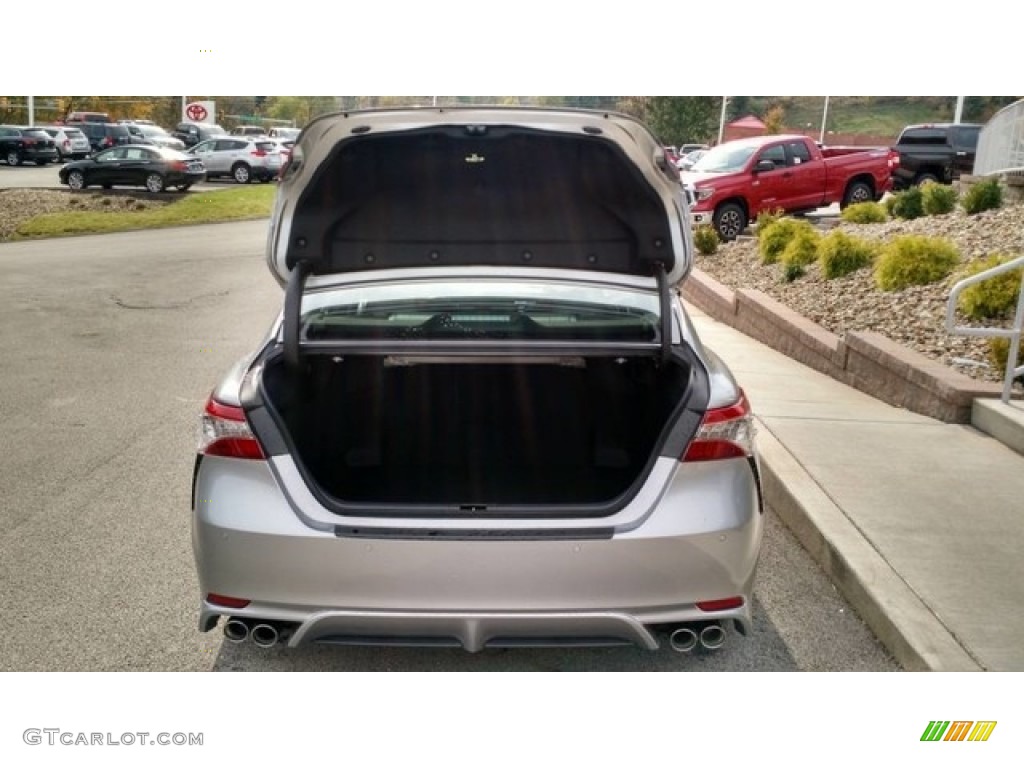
pixel 483 418
pixel 71 143
pixel 242 158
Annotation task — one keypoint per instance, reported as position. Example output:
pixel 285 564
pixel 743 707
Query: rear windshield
pixel 73 133
pixel 481 310
pixel 36 133
pixel 266 146
pixel 119 130
pixel 930 136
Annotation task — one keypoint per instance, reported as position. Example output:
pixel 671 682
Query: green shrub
pixel 890 204
pixel 864 213
pixel 914 260
pixel 994 297
pixel 772 240
pixel 999 353
pixel 802 249
pixel 840 254
pixel 937 199
pixel 765 219
pixel 909 204
pixel 983 196
pixel 791 272
pixel 706 239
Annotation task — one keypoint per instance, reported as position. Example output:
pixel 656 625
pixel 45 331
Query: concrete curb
pixel 893 611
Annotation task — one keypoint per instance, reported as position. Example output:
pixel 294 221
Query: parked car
pixel 193 133
pixel 20 144
pixel 69 142
pixel 687 161
pixel 143 133
pixel 155 168
pixel 87 117
pixel 284 133
pixel 242 158
pixel 483 417
pixel 935 152
pixel 737 180
pixel 105 135
pixel 248 130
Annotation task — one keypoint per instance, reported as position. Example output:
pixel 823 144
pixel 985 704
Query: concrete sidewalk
pixel 919 523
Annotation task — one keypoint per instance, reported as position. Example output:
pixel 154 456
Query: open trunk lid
pixel 479 187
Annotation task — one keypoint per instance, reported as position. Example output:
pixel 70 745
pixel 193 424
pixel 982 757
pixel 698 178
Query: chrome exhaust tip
pixel 683 640
pixel 712 636
pixel 265 635
pixel 236 630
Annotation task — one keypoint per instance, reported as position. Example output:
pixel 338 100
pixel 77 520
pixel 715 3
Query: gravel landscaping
pixel 913 317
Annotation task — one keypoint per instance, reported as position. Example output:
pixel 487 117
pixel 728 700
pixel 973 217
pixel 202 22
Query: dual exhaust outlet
pixel 685 639
pixel 265 634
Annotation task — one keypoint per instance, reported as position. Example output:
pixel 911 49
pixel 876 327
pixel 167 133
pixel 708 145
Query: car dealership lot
pixel 119 339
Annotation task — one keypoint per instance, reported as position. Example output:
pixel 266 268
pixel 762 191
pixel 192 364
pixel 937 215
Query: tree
pixel 737 107
pixel 773 120
pixel 681 119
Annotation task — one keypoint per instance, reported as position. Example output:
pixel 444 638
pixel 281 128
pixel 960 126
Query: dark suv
pixel 19 144
pixel 935 152
pixel 105 135
pixel 193 133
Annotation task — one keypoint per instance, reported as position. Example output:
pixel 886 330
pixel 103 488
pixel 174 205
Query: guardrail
pixel 1013 333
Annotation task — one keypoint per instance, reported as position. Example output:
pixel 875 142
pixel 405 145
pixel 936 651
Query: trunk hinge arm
pixel 293 312
pixel 665 309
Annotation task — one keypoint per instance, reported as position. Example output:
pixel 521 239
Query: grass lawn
pixel 251 202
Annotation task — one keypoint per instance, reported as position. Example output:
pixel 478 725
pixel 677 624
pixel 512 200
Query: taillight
pixel 726 604
pixel 725 433
pixel 227 601
pixel 29 142
pixel 258 153
pixel 179 165
pixel 225 432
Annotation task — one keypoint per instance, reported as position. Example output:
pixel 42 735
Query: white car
pixel 243 159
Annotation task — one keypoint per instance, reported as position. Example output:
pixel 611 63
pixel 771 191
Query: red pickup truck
pixel 736 181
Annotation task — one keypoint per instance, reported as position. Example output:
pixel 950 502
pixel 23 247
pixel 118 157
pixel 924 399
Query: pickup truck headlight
pixel 704 193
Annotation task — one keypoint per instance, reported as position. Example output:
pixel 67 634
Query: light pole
pixel 721 120
pixel 959 109
pixel 824 120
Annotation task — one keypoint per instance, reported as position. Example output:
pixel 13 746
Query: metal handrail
pixel 1013 333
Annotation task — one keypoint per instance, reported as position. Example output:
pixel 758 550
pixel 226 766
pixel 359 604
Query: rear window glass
pixel 266 146
pixel 36 133
pixel 481 310
pixel 119 130
pixel 923 136
pixel 73 133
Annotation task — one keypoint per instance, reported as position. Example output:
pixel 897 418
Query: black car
pixel 936 152
pixel 19 145
pixel 155 168
pixel 193 133
pixel 104 135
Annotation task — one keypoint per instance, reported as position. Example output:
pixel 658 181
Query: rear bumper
pixel 700 543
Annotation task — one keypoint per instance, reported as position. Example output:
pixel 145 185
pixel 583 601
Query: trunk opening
pixel 474 432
